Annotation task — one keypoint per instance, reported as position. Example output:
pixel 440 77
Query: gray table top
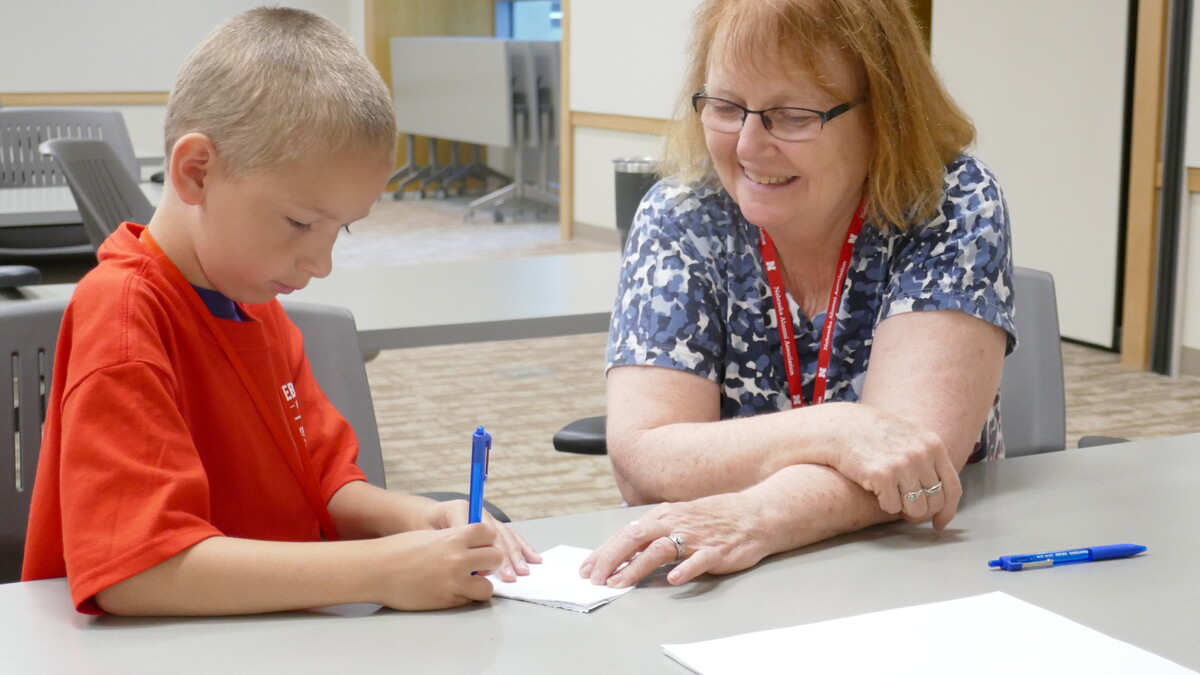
pixel 52 205
pixel 454 303
pixel 476 301
pixel 1140 492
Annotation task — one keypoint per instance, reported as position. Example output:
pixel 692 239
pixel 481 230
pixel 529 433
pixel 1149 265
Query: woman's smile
pixel 767 179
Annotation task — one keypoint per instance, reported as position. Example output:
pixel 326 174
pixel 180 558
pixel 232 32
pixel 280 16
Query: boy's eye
pixel 299 225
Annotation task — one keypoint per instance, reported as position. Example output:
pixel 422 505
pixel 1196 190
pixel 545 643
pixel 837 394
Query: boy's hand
pixel 432 569
pixel 517 552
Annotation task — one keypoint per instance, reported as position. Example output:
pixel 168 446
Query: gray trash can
pixel 634 178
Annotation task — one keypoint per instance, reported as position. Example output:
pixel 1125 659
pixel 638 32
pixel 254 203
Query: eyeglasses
pixel 786 124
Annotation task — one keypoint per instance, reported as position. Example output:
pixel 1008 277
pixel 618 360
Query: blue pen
pixel 481 446
pixel 1016 563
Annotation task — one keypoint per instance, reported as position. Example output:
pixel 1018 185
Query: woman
pixel 818 163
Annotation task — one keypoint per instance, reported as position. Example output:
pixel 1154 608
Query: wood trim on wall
pixel 1142 214
pixel 82 98
pixel 637 125
pixel 1192 173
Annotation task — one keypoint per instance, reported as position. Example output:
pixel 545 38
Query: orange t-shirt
pixel 152 442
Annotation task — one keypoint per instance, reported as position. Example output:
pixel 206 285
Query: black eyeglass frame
pixel 824 115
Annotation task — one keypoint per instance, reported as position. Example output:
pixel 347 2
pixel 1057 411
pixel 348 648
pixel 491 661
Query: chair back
pixel 105 194
pixel 28 334
pixel 23 130
pixel 331 345
pixel 1032 403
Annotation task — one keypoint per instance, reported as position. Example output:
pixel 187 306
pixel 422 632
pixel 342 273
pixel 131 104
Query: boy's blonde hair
pixel 274 84
pixel 917 128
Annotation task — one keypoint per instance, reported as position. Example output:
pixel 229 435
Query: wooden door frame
pixel 1141 240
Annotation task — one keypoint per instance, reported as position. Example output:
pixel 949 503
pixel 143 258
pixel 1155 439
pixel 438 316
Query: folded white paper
pixel 991 633
pixel 555 582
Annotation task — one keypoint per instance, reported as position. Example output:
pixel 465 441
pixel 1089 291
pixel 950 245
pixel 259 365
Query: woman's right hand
pixel 432 569
pixel 890 457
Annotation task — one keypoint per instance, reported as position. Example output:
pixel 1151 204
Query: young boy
pixel 191 465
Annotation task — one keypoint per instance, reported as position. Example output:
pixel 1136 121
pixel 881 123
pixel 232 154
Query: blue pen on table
pixel 481 446
pixel 1016 563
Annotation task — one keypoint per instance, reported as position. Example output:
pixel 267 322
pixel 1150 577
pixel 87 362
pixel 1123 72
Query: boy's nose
pixel 318 262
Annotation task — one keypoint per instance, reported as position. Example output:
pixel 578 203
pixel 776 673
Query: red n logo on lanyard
pixel 783 314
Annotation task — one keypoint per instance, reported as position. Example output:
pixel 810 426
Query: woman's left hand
pixel 517 552
pixel 715 535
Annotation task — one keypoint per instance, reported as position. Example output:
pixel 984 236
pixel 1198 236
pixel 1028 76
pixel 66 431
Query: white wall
pixel 1189 290
pixel 627 58
pixel 1046 91
pixel 115 45
pixel 1189 316
pixel 595 184
pixel 122 46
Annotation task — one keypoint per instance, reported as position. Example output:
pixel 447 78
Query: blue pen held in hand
pixel 1016 563
pixel 481 447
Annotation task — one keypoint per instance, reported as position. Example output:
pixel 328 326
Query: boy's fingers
pixel 477 588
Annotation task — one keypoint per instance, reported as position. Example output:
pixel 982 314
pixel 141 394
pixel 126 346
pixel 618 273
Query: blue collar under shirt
pixel 219 305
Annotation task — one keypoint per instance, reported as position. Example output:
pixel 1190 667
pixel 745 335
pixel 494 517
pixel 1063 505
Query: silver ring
pixel 677 539
pixel 912 496
pixel 933 490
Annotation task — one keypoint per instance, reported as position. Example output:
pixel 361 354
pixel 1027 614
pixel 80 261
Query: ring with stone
pixel 912 496
pixel 677 539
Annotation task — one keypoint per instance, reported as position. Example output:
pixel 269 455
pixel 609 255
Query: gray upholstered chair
pixel 12 276
pixel 22 164
pixel 331 345
pixel 104 192
pixel 28 335
pixel 1033 408
pixel 23 130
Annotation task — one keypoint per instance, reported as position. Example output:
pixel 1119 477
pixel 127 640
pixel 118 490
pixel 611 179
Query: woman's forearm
pixel 687 460
pixel 805 504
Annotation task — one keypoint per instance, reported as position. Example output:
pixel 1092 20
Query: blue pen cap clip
pixel 481 448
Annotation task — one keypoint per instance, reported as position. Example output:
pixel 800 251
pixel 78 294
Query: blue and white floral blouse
pixel 694 297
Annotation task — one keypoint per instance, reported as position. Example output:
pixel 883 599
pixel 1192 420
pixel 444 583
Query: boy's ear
pixel 191 166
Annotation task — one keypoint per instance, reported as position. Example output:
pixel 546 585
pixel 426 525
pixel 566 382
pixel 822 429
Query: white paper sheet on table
pixel 555 582
pixel 990 633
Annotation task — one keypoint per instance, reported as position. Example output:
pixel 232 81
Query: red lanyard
pixel 783 313
pixel 294 449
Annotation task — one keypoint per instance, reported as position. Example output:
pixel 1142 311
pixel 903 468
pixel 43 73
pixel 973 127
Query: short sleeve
pixel 669 301
pixel 127 506
pixel 961 259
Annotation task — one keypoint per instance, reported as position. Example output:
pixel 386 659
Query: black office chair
pixel 634 176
